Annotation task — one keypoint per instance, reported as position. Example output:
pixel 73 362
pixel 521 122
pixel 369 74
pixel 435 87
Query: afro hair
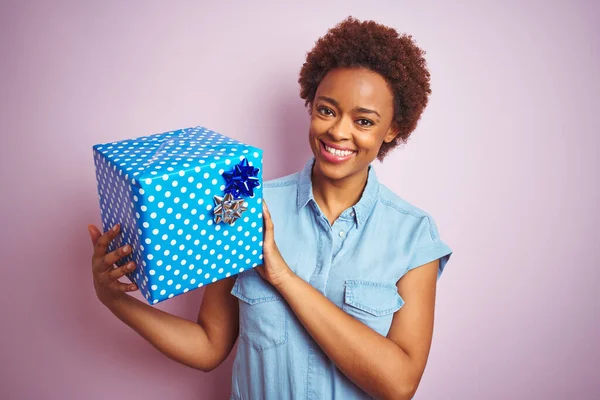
pixel 355 44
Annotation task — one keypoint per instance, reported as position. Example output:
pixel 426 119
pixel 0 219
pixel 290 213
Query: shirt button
pixel 352 214
pixel 342 233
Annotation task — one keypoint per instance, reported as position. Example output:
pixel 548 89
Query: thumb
pixel 94 233
pixel 268 224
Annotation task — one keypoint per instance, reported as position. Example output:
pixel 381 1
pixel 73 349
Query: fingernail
pixel 131 266
pixel 126 249
pixel 115 227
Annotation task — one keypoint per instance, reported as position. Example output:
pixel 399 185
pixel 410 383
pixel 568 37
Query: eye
pixel 368 122
pixel 324 110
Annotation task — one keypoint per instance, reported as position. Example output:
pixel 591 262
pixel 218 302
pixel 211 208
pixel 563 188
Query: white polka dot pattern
pixel 160 188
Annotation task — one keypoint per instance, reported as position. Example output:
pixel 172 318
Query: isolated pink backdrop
pixel 504 158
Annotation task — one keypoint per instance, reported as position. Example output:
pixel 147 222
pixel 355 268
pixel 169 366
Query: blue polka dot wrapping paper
pixel 189 203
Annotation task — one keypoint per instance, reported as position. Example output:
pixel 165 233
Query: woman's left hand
pixel 274 269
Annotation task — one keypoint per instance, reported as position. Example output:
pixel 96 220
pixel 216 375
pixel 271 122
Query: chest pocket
pixel 372 303
pixel 263 311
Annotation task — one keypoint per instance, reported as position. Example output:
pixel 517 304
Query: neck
pixel 335 196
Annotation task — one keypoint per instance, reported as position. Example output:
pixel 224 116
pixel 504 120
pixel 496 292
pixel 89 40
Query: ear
pixel 392 132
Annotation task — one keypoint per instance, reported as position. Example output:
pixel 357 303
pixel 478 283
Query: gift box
pixel 189 204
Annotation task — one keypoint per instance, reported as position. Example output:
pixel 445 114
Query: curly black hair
pixel 355 44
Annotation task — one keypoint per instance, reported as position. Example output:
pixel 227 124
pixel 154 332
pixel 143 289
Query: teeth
pixel 336 152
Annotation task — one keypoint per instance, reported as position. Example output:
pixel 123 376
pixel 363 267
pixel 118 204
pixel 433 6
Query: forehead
pixel 353 87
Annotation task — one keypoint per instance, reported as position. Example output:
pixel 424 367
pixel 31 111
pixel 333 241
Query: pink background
pixel 504 158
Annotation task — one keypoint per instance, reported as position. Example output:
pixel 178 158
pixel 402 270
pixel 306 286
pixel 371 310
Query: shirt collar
pixel 362 209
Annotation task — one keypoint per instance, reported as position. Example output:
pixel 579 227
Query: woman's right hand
pixel 201 344
pixel 106 277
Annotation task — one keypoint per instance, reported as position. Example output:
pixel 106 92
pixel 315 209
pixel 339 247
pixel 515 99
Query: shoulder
pixel 280 189
pixel 399 205
pixel 417 228
pixel 397 209
pixel 282 182
pixel 280 194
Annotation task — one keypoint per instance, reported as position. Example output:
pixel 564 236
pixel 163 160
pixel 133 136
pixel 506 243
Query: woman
pixel 343 306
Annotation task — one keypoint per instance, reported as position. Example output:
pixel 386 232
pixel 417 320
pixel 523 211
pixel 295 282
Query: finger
pixel 124 287
pixel 116 273
pixel 94 233
pixel 114 256
pixel 104 241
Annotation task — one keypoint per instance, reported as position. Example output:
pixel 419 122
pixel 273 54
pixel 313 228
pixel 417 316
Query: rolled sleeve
pixel 428 246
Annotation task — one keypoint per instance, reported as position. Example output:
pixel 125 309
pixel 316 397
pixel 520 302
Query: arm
pixel 385 367
pixel 202 345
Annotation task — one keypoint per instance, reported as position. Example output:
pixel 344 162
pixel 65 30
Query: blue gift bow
pixel 241 180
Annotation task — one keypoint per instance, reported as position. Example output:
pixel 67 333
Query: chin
pixel 334 171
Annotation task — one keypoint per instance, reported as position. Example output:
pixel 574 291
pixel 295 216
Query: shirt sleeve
pixel 428 246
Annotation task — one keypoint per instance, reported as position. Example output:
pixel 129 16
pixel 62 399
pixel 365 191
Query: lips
pixel 336 146
pixel 335 158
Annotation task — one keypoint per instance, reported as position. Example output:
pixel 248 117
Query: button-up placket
pixel 330 242
pixel 340 230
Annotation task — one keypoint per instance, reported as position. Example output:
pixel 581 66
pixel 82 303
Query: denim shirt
pixel 355 263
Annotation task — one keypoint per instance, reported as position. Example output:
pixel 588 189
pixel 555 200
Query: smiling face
pixel 351 117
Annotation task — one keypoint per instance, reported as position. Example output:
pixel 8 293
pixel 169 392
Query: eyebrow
pixel 359 109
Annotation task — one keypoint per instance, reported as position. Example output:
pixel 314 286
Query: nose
pixel 340 129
